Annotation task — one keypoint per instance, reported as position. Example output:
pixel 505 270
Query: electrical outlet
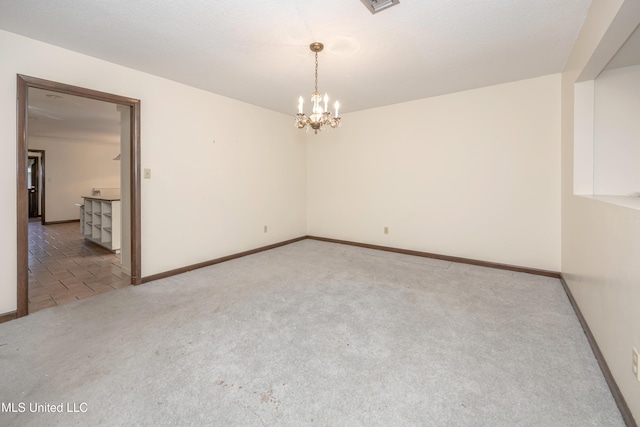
pixel 265 228
pixel 386 230
pixel 147 174
pixel 634 364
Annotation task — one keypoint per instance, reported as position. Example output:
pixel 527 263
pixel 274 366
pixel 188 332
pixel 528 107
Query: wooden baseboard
pixel 218 260
pixel 61 222
pixel 180 270
pixel 538 272
pixel 8 316
pixel 627 416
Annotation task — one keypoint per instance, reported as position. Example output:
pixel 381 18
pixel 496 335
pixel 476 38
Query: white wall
pixel 601 241
pixel 205 199
pixel 72 169
pixel 473 174
pixel 617 132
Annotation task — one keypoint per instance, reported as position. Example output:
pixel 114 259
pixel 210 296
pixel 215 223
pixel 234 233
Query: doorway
pixel 33 185
pixel 131 189
pixel 36 185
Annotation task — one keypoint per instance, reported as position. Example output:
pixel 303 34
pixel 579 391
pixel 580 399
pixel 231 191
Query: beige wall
pixel 205 199
pixel 72 169
pixel 601 241
pixel 472 174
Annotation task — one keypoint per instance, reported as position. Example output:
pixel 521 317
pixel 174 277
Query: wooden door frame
pixel 42 183
pixel 24 83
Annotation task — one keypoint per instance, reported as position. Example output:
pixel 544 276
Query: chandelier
pixel 320 117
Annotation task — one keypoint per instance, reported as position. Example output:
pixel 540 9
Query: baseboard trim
pixel 538 272
pixel 8 316
pixel 66 221
pixel 627 416
pixel 218 260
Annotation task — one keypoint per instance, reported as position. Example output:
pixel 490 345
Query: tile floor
pixel 64 267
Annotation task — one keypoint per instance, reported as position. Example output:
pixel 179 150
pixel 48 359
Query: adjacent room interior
pixel 74 249
pixel 459 243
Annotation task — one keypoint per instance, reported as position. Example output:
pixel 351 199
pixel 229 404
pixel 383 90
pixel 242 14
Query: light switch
pixel 147 174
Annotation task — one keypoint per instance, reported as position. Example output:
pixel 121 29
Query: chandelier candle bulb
pixel 336 106
pixel 326 102
pixel 300 102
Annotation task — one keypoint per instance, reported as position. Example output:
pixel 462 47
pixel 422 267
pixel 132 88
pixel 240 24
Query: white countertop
pixel 105 198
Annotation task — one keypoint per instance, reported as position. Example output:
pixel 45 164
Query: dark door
pixel 33 179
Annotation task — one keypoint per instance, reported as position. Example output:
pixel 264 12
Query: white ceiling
pixel 72 118
pixel 257 51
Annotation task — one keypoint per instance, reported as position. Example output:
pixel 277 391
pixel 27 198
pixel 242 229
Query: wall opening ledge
pixel 632 202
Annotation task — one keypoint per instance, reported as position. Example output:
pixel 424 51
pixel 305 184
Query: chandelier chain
pixel 316 71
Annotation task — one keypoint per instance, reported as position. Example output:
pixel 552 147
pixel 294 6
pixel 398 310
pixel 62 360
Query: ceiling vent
pixel 376 6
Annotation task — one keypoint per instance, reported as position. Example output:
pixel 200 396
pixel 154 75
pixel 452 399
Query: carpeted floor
pixel 311 333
